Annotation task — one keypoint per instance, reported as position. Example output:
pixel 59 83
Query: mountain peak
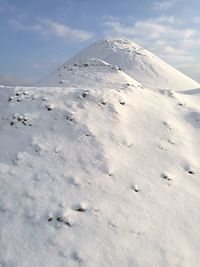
pixel 117 41
pixel 137 62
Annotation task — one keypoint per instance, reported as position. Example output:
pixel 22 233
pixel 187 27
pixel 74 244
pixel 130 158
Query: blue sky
pixel 37 36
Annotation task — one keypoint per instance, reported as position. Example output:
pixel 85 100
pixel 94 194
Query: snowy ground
pixel 99 177
pixel 99 174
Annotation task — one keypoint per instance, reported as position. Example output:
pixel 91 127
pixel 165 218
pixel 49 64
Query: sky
pixel 38 36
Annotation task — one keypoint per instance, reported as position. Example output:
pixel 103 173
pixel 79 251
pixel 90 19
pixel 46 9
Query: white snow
pixel 140 64
pixel 99 172
pixel 88 72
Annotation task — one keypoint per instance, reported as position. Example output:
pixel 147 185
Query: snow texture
pixel 99 171
pixel 140 64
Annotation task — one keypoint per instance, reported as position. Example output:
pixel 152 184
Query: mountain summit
pixel 137 62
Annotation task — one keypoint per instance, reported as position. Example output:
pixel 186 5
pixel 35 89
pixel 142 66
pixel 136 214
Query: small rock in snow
pixel 165 176
pixel 81 207
pixel 76 257
pixel 190 172
pixel 20 118
pixel 85 94
pixel 135 187
pixel 64 220
pixel 50 107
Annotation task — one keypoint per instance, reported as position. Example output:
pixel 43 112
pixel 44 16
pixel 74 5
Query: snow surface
pixel 99 173
pixel 140 64
pixel 88 72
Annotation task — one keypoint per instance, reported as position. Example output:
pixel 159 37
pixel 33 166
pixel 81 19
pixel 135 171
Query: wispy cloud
pixel 163 4
pixel 149 29
pixel 196 20
pixel 49 28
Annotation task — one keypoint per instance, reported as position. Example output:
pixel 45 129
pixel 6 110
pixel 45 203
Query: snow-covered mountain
pixel 99 171
pixel 140 64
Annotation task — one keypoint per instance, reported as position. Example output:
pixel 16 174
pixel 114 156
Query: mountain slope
pixel 88 72
pixel 98 177
pixel 140 64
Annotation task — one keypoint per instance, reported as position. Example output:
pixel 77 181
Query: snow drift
pixel 99 171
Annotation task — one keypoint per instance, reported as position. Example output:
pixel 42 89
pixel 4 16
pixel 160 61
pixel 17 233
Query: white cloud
pixel 49 28
pixel 190 43
pixel 163 4
pixel 162 27
pixel 166 36
pixel 196 20
pixel 54 28
pixel 167 20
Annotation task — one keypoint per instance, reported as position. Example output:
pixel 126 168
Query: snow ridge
pixel 88 72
